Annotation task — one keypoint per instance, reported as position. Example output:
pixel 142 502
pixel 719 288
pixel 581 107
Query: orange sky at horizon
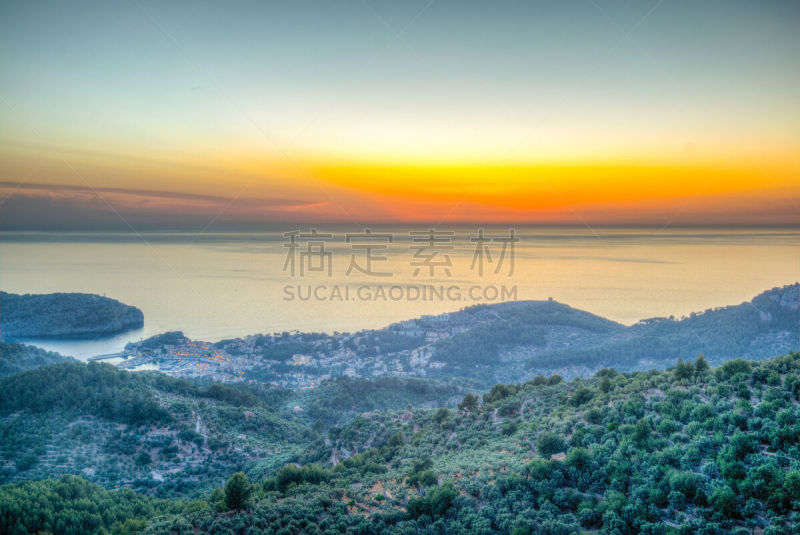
pixel 284 187
pixel 599 113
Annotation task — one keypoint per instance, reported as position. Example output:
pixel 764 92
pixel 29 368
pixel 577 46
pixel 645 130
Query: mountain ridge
pixel 489 343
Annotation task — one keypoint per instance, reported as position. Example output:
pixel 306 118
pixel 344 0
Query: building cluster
pixel 247 359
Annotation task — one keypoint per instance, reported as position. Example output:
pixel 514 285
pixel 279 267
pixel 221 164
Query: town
pixel 296 360
pixel 482 344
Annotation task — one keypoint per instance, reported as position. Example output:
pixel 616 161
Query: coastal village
pixel 429 346
pixel 296 361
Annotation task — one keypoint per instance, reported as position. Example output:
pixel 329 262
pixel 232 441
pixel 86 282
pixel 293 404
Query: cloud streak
pixel 72 207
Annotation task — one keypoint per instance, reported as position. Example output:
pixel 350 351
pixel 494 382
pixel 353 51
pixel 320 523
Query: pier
pixel 108 356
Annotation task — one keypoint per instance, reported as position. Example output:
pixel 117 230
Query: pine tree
pixel 700 365
pixel 684 370
pixel 237 491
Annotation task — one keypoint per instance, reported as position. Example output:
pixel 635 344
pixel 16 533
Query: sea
pixel 327 279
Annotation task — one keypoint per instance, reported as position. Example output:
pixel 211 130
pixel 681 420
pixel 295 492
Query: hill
pixel 338 401
pixel 141 430
pixel 527 338
pixel 488 344
pixel 767 326
pixel 65 315
pixel 687 450
pixel 15 358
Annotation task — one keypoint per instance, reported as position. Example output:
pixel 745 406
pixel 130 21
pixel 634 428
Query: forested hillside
pixel 64 315
pixel 689 450
pixel 764 327
pixel 142 430
pixel 15 358
pixel 338 401
pixel 527 338
pixel 172 437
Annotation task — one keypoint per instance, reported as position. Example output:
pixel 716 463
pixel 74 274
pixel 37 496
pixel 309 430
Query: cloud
pixel 144 193
pixel 73 207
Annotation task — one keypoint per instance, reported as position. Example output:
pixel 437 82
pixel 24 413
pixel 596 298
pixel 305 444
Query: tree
pixel 581 396
pixel 734 367
pixel 436 504
pixel 441 499
pixel 684 370
pixel 688 484
pixel 724 500
pixel 441 415
pixel 237 491
pixel 700 365
pixel 554 380
pixel 792 484
pixel 418 465
pixel 538 469
pixel 469 403
pixel 642 431
pixel 606 385
pixel 291 475
pixel 509 428
pixel 549 443
pixel 579 459
pixel 143 459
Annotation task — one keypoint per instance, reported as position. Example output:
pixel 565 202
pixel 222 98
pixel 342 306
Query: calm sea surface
pixel 216 286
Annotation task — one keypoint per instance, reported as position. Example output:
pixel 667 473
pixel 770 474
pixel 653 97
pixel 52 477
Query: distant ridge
pixel 513 341
pixel 766 326
pixel 556 338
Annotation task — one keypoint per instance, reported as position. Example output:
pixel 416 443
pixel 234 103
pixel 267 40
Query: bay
pixel 222 285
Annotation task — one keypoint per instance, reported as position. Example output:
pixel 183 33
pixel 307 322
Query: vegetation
pixel 144 430
pixel 65 315
pixel 524 326
pixel 167 338
pixel 237 491
pixel 72 505
pixel 762 328
pixel 95 389
pixel 692 449
pixel 339 400
pixel 15 358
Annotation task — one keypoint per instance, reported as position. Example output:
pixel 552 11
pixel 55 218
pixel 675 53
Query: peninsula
pixel 65 315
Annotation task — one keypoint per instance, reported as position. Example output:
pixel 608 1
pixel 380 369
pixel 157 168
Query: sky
pixel 209 114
